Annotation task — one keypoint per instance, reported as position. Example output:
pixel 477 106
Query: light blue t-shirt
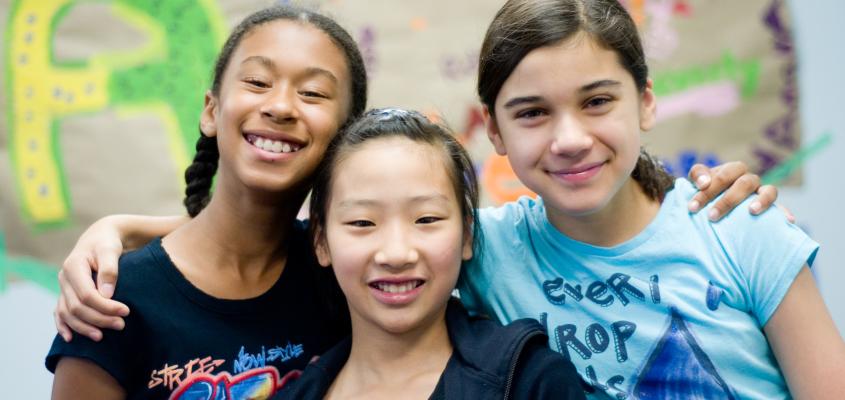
pixel 675 312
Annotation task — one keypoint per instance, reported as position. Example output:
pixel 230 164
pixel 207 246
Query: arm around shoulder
pixel 77 378
pixel 806 343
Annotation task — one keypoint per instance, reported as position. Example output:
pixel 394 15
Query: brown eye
pixel 597 102
pixel 311 93
pixel 530 113
pixel 428 220
pixel 360 223
pixel 257 83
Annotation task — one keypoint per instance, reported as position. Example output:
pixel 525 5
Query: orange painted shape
pixel 500 182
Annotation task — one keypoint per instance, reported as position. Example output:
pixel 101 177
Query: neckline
pixel 253 305
pixel 670 202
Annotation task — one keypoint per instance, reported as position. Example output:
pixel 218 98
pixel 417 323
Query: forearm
pixel 138 230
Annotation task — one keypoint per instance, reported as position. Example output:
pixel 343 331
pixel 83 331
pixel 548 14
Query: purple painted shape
pixel 707 101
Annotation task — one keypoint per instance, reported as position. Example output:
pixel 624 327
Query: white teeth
pixel 275 146
pixel 396 288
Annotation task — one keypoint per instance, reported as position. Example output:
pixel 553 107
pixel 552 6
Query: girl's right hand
pixel 84 306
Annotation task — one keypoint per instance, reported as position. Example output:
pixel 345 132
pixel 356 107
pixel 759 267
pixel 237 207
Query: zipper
pixel 515 358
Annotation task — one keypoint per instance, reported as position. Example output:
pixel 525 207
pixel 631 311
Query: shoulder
pixel 511 212
pixel 315 380
pixel 545 374
pixel 477 337
pixel 142 269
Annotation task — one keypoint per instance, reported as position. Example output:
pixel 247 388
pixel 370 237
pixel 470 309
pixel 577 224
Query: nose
pixel 280 105
pixel 396 250
pixel 571 137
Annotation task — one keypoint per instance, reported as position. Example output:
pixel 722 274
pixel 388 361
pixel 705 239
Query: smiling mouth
pixel 270 145
pixel 397 287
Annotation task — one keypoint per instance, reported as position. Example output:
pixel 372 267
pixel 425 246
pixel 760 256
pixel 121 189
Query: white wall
pixel 819 31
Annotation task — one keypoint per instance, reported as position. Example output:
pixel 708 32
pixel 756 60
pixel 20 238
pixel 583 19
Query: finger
pixel 64 330
pixel 737 193
pixel 79 314
pixel 107 257
pixel 700 175
pixel 789 216
pixel 77 272
pixel 65 315
pixel 766 196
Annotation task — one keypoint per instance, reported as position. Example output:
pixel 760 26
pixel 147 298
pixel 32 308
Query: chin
pixel 585 205
pixel 399 326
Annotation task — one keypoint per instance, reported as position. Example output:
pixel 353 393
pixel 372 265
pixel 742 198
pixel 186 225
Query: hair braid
pixel 200 175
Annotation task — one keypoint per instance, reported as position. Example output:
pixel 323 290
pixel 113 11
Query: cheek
pixel 349 257
pixel 445 253
pixel 323 123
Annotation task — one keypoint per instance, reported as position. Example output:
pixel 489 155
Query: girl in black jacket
pixel 392 213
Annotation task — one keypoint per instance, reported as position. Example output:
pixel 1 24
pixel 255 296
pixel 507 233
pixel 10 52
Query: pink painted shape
pixel 706 101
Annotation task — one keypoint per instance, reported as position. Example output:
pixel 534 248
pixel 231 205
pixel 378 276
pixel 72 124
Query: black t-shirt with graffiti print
pixel 179 342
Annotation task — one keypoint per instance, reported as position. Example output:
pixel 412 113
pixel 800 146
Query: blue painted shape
pixel 714 296
pixel 198 391
pixel 251 387
pixel 679 369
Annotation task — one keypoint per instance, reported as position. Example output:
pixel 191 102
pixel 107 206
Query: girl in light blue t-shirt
pixel 646 299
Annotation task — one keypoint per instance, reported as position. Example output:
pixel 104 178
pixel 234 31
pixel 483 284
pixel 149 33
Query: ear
pixel 208 118
pixel 648 107
pixel 324 257
pixel 493 132
pixel 466 249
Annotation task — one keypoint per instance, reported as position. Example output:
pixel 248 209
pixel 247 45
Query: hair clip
pixel 386 114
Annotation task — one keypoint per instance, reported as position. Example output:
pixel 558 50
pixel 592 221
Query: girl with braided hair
pixel 212 301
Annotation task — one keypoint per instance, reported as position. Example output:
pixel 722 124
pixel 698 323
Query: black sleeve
pixel 112 353
pixel 116 353
pixel 544 374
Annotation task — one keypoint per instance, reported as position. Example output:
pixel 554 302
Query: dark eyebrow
pixel 521 100
pixel 586 88
pixel 364 202
pixel 261 60
pixel 311 71
pixel 599 84
pixel 320 71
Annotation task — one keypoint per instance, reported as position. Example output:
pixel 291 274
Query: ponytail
pixel 200 175
pixel 651 176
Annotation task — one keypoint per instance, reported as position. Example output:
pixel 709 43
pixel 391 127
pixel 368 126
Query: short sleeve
pixel 116 353
pixel 768 252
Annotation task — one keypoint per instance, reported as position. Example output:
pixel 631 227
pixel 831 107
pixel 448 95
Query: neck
pixel 406 364
pixel 622 218
pixel 240 238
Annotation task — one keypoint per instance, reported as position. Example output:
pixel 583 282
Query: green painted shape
pixel 786 168
pixel 745 73
pixel 181 78
pixel 29 269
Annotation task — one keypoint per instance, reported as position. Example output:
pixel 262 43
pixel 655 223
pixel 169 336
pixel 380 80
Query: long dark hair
pixel 522 26
pixel 200 174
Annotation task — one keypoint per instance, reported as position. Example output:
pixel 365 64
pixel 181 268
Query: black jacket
pixel 489 361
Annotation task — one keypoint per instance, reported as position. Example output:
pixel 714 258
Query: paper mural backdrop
pixel 102 98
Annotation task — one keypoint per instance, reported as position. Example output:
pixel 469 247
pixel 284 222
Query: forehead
pixel 395 166
pixel 289 42
pixel 566 66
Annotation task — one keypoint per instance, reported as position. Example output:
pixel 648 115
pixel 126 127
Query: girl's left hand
pixel 737 183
